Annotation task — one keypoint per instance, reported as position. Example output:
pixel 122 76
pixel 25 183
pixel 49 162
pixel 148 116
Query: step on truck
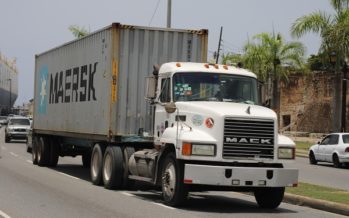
pixel 182 125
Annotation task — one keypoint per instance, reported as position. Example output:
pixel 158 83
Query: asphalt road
pixel 31 191
pixel 324 174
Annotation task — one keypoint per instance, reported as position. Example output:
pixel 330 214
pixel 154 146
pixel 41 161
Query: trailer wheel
pixel 35 151
pixel 127 183
pixel 97 163
pixel 113 168
pixel 269 197
pixel 54 152
pixel 43 150
pixel 174 191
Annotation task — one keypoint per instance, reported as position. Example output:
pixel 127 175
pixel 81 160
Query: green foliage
pixel 333 29
pixel 269 55
pixel 77 31
pixel 321 193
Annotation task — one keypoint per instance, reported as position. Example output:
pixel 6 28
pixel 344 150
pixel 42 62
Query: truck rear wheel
pixel 113 168
pixel 43 151
pixel 174 191
pixel 54 152
pixel 97 163
pixel 35 151
pixel 269 197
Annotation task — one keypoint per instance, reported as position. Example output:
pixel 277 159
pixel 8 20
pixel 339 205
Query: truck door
pixel 161 116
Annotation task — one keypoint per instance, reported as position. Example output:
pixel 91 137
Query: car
pixel 334 148
pixel 3 120
pixel 17 128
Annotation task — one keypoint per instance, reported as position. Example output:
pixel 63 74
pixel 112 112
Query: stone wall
pixel 307 103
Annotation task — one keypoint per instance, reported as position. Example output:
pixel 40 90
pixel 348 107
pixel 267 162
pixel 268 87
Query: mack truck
pixel 142 104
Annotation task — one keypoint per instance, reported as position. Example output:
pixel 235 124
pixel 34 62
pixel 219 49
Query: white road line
pixel 13 154
pixel 128 194
pixel 29 161
pixel 2 214
pixel 73 177
pixel 172 208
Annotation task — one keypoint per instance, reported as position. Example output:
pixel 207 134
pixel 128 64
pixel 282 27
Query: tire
pixel 113 168
pixel 174 191
pixel 336 162
pixel 7 139
pixel 54 152
pixel 34 151
pixel 269 198
pixel 97 164
pixel 43 151
pixel 86 159
pixel 312 159
pixel 127 183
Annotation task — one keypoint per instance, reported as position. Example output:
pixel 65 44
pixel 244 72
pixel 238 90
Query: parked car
pixel 334 148
pixel 3 120
pixel 17 128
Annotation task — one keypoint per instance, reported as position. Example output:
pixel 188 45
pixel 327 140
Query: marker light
pixel 207 66
pixel 178 64
pixel 186 149
pixel 225 67
pixel 216 66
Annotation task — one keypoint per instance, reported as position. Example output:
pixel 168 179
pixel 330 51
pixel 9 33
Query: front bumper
pixel 17 135
pixel 240 176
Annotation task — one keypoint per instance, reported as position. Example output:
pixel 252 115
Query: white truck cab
pixel 210 116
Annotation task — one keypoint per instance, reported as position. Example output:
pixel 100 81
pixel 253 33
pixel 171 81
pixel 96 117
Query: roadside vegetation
pixel 321 193
pixel 303 146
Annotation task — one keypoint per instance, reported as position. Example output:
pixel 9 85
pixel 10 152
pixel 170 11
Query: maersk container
pixel 93 87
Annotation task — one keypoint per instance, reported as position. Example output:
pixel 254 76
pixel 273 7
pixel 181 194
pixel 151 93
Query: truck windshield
pixel 198 86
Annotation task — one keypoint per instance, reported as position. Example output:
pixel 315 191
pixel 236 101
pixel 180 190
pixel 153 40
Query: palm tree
pixel 272 59
pixel 77 31
pixel 333 29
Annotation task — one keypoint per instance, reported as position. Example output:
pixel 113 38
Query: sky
pixel 30 27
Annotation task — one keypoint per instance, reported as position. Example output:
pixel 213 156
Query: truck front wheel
pixel 97 163
pixel 35 151
pixel 269 197
pixel 174 191
pixel 43 151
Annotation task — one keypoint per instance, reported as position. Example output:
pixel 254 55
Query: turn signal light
pixel 186 149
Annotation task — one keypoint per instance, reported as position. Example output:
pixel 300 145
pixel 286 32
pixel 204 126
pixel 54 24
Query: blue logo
pixel 42 87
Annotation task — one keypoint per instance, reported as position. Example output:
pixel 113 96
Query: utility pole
pixel 169 9
pixel 219 45
pixel 10 93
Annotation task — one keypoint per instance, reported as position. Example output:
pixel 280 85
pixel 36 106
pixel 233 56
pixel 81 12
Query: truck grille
pixel 248 139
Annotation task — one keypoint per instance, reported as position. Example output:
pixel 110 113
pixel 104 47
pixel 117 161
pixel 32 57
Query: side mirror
pixel 170 107
pixel 150 84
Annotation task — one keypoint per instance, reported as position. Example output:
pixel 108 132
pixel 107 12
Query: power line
pixel 156 8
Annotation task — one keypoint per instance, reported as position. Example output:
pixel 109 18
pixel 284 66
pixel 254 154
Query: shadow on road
pixel 74 170
pixel 208 203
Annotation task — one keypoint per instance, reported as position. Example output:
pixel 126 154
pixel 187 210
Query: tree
pixel 272 60
pixel 333 29
pixel 77 31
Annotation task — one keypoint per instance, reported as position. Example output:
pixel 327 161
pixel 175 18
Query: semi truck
pixel 142 104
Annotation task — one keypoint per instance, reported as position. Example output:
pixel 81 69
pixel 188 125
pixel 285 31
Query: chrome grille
pixel 248 139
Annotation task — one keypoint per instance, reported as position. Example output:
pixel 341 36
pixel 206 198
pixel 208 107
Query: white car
pixel 17 128
pixel 334 148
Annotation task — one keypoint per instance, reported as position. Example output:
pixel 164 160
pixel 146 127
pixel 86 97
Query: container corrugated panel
pixel 95 85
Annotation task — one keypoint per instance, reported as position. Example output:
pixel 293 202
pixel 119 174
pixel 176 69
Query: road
pixel 31 191
pixel 324 174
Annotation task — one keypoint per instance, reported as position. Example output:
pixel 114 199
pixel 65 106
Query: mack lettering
pixel 73 85
pixel 246 140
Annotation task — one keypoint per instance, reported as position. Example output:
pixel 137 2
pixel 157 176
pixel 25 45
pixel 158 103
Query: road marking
pixel 13 154
pixel 73 177
pixel 128 194
pixel 172 208
pixel 2 214
pixel 29 161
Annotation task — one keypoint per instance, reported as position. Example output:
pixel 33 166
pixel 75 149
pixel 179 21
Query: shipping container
pixel 93 87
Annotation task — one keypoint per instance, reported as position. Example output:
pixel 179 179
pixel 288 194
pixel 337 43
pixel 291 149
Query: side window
pixel 326 140
pixel 334 140
pixel 165 95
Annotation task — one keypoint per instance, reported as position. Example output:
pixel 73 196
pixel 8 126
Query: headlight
pixel 286 153
pixel 198 149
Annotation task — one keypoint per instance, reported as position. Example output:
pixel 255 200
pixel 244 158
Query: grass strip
pixel 303 145
pixel 320 192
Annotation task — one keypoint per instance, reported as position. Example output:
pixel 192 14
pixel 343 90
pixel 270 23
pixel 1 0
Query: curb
pixel 317 204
